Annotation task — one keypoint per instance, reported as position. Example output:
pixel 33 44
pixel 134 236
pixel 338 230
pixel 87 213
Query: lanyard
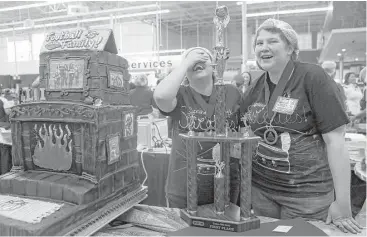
pixel 279 89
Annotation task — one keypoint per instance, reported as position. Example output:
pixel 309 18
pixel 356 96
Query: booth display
pixel 222 214
pixel 75 163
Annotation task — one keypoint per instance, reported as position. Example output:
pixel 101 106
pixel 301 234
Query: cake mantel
pixel 74 138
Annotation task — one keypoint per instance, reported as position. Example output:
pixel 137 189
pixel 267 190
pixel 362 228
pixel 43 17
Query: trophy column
pixel 192 186
pixel 225 153
pixel 246 166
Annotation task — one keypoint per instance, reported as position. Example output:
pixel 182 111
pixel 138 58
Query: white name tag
pixel 282 228
pixel 285 105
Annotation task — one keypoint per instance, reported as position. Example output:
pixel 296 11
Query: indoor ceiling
pixel 35 16
pixel 347 43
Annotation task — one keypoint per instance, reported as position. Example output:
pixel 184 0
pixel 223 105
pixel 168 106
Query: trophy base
pixel 206 217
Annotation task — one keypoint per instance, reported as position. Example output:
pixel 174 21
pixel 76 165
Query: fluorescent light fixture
pixel 339 54
pixel 356 59
pixel 343 50
pixel 154 52
pixel 83 14
pixel 255 2
pixel 42 4
pixel 318 9
pixel 107 18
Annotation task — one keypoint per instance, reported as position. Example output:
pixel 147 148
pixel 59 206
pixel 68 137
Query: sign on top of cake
pixel 80 39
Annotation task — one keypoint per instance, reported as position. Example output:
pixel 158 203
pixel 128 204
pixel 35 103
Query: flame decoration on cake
pixel 55 156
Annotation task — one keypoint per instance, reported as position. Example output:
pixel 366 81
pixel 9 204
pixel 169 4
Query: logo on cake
pixel 53 155
pixel 73 39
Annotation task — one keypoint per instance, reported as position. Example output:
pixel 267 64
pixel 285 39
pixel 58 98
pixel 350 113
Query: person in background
pixel 131 83
pixel 142 96
pixel 8 100
pixel 301 159
pixel 361 116
pixel 239 82
pixel 192 107
pixel 242 81
pixel 353 93
pixel 248 80
pixel 330 68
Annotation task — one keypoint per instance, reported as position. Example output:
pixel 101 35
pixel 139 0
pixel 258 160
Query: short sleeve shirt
pixel 297 163
pixel 190 113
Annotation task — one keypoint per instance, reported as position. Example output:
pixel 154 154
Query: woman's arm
pixel 340 211
pixel 339 164
pixel 165 93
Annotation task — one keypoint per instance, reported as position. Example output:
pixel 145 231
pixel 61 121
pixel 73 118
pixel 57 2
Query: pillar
pixel 192 187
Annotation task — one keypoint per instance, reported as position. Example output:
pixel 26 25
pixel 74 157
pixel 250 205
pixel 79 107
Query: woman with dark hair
pixel 248 79
pixel 242 81
pixel 297 110
pixel 353 93
pixel 239 82
pixel 192 108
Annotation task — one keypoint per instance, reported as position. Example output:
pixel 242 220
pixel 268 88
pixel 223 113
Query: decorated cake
pixel 75 163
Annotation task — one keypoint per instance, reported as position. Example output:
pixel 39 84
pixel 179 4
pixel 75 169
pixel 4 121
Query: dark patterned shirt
pixel 297 163
pixel 189 113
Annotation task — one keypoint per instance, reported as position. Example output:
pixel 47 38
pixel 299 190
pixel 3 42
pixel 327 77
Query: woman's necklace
pixel 270 135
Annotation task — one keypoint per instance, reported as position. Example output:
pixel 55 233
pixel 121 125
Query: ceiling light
pixel 7 9
pixel 339 54
pixel 254 2
pixel 343 50
pixel 319 9
pixel 83 14
pixel 356 59
pixel 107 18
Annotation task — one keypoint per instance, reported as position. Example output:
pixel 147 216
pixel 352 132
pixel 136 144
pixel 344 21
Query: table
pixel 5 155
pixel 157 221
pixel 5 158
pixel 156 165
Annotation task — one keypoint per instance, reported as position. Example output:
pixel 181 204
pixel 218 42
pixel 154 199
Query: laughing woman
pixel 192 107
pixel 297 111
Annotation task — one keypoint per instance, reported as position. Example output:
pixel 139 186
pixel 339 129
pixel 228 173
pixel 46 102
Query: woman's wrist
pixel 344 204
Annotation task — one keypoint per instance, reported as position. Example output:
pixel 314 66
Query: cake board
pixel 105 215
pixel 73 220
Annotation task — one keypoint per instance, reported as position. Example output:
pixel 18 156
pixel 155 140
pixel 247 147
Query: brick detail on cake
pixel 17 151
pixel 99 66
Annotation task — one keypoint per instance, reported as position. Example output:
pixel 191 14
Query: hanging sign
pixel 77 39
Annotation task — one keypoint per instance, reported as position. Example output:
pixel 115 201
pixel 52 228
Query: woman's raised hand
pixel 195 57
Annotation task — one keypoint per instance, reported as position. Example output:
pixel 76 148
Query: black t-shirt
pixel 297 163
pixel 142 97
pixel 188 109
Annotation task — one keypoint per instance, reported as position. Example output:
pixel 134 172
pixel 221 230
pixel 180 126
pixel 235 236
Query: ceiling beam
pixel 89 14
pixel 35 5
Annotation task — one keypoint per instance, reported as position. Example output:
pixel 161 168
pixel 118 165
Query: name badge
pixel 285 105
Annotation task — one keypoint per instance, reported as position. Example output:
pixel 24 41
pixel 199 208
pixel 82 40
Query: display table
pixel 156 165
pixel 5 155
pixel 157 221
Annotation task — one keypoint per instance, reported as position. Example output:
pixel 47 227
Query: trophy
pixel 221 214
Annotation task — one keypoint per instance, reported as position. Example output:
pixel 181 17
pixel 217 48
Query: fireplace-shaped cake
pixel 74 139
